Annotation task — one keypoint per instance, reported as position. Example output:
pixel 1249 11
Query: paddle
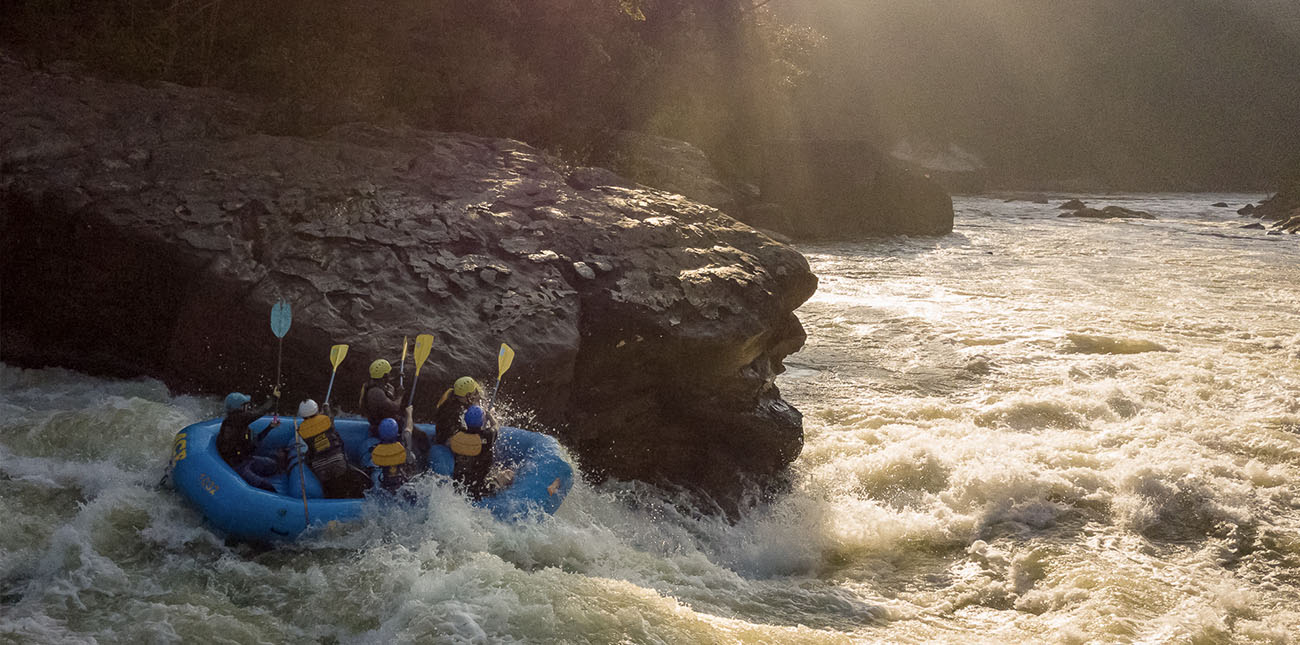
pixel 504 358
pixel 402 370
pixel 281 318
pixel 423 345
pixel 337 354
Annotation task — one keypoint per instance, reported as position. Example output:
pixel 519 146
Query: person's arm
pixel 262 410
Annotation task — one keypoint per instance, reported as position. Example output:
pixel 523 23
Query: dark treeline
pixel 1122 94
pixel 557 73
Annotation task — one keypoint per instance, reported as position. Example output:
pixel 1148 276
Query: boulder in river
pixel 1220 205
pixel 1072 205
pixel 147 231
pixel 1109 212
pixel 669 165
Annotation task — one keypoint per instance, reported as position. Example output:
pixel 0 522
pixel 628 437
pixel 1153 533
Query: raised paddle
pixel 402 370
pixel 337 354
pixel 504 358
pixel 423 345
pixel 281 318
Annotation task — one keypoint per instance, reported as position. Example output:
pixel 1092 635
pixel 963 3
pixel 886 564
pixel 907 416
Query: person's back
pixel 235 443
pixel 472 449
pixel 326 455
pixel 450 415
pixel 380 398
pixel 389 457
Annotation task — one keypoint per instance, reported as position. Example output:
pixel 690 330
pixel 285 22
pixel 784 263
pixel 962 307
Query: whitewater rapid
pixel 1034 429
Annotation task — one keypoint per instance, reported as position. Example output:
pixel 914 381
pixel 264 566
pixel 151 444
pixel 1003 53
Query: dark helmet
pixel 388 430
pixel 475 416
pixel 236 400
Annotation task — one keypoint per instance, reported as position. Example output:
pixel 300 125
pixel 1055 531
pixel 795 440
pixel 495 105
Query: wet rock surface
pixel 1109 212
pixel 1281 212
pixel 149 230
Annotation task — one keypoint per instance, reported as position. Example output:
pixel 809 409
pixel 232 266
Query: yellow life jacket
pixel 388 454
pixel 312 426
pixel 466 444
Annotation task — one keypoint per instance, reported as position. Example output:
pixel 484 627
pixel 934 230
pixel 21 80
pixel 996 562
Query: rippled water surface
pixel 1031 430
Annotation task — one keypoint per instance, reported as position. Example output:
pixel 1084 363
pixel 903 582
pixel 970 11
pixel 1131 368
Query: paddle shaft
pixel 331 387
pixel 414 382
pixel 279 355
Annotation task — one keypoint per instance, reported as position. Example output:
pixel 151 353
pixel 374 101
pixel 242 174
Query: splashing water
pixel 1033 429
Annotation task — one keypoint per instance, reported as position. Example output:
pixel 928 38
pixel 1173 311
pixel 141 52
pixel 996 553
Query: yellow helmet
pixel 464 386
pixel 379 368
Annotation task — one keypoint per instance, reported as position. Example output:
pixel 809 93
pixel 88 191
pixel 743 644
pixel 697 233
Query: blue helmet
pixel 475 416
pixel 235 400
pixel 388 432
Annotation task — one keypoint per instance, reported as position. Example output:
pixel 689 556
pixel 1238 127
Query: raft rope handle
pixel 302 477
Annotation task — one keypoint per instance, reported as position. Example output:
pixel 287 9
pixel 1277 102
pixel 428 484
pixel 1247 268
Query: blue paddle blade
pixel 281 318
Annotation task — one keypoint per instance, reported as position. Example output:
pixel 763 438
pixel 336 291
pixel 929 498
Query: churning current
pixel 1034 429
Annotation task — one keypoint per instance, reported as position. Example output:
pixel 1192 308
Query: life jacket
pixel 234 443
pixel 466 444
pixel 390 458
pixel 472 459
pixel 325 454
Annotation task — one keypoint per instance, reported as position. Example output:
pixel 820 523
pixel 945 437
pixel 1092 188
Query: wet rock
pixel 670 165
pixel 1255 226
pixel 1109 212
pixel 1072 205
pixel 1246 210
pixel 1220 205
pixel 168 267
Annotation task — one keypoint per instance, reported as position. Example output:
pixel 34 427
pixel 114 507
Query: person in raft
pixel 236 445
pixel 326 456
pixel 391 467
pixel 450 416
pixel 471 448
pixel 380 397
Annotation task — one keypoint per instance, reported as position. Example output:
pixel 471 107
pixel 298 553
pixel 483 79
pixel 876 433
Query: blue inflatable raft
pixel 542 479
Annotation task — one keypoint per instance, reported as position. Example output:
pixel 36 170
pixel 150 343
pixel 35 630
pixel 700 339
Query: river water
pixel 1031 430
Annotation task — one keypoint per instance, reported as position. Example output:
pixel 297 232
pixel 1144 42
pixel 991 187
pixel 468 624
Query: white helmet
pixel 307 409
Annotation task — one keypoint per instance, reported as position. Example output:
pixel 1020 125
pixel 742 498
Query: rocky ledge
pixel 1282 210
pixel 149 230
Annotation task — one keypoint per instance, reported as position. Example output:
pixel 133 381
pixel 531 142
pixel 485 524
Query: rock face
pixel 148 231
pixel 670 165
pixel 844 189
pixel 1109 212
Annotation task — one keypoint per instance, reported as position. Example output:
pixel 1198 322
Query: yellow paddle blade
pixel 337 354
pixel 504 358
pixel 405 340
pixel 423 345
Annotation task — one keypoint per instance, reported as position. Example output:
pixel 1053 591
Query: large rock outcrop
pixel 832 189
pixel 1282 210
pixel 670 165
pixel 148 231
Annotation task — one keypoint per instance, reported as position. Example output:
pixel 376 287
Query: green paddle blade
pixel 337 354
pixel 281 318
pixel 504 358
pixel 423 345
